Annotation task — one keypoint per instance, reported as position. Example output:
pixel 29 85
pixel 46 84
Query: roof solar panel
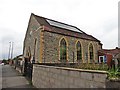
pixel 61 25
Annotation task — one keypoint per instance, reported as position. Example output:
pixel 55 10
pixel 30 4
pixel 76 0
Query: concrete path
pixel 13 79
pixel 0 76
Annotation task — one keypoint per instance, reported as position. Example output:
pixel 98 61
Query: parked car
pixel 2 64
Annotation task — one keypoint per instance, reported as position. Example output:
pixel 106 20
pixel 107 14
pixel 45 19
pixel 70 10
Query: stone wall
pixel 61 77
pixel 51 48
pixel 113 84
pixel 33 33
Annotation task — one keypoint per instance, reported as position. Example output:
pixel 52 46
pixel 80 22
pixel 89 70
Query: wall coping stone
pixel 73 69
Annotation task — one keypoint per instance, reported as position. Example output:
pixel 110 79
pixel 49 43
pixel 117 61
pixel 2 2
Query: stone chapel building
pixel 50 41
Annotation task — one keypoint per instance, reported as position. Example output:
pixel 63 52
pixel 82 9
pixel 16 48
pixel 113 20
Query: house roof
pixel 62 28
pixel 110 51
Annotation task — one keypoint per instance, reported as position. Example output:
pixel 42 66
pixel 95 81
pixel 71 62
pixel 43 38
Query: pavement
pixel 0 77
pixel 12 78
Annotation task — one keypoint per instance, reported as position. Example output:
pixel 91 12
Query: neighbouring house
pixel 18 62
pixel 50 41
pixel 109 55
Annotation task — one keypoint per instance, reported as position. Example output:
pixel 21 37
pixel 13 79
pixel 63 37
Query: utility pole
pixel 12 51
pixel 9 50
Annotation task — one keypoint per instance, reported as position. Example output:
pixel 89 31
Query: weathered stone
pixel 64 85
pixel 52 39
pixel 55 76
pixel 86 75
pixel 73 86
pixel 57 71
pixel 81 83
pixel 44 44
pixel 100 77
pixel 61 77
pixel 74 73
pixel 83 79
pixel 58 84
pixel 99 85
pixel 65 72
pixel 70 79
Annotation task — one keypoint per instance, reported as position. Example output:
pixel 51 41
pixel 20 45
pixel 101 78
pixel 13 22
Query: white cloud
pixel 95 17
pixel 110 39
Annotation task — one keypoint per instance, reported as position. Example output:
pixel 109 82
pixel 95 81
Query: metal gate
pixel 28 68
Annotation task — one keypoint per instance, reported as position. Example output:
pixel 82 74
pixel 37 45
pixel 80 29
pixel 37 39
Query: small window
pixel 102 59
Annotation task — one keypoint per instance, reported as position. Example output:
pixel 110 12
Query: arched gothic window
pixel 79 51
pixel 63 50
pixel 91 54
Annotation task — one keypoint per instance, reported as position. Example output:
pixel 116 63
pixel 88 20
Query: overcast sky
pixel 96 17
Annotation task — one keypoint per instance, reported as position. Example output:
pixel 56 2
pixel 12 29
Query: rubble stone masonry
pixel 47 46
pixel 52 43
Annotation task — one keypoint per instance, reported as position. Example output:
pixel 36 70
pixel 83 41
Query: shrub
pixel 93 66
pixel 113 74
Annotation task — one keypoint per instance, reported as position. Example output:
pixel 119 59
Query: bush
pixel 113 74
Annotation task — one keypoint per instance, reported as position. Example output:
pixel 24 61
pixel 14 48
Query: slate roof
pixel 62 30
